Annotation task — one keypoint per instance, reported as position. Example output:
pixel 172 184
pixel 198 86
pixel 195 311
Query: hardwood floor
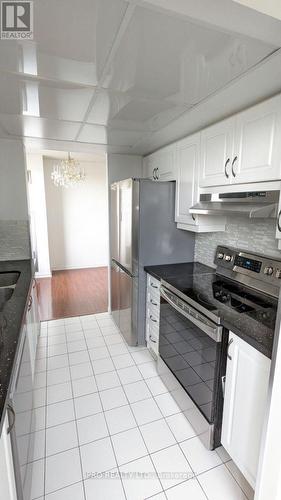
pixel 73 293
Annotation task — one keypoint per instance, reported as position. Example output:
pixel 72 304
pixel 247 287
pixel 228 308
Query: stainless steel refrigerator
pixel 143 232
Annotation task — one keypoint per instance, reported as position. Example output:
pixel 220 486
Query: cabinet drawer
pixel 153 283
pixel 153 292
pixel 152 313
pixel 153 298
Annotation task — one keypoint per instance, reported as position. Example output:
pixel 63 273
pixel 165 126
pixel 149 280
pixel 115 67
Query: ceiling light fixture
pixel 67 173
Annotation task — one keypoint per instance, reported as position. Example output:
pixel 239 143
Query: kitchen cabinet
pixel 160 166
pixel 33 323
pixel 7 475
pixel 216 154
pixel 244 148
pixel 257 147
pixel 187 162
pixel 152 314
pixel 149 167
pixel 187 189
pixel 278 223
pixel 246 385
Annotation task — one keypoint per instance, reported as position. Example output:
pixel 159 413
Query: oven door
pixel 190 345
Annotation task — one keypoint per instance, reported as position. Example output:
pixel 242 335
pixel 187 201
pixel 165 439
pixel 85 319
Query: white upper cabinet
pixel 187 163
pixel 244 148
pixel 257 143
pixel 149 167
pixel 216 154
pixel 160 166
pixel 246 386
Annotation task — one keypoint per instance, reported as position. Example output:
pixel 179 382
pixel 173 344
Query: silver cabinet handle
pixel 152 340
pixel 11 425
pixel 228 346
pixel 232 165
pixel 153 174
pixel 225 168
pixel 153 303
pixel 278 221
pixel 223 385
pixel 152 319
pixel 154 286
pixel 157 174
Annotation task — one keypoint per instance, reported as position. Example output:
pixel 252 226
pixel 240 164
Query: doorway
pixel 69 235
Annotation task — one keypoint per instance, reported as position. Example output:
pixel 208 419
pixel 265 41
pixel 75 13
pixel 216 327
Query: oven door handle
pixel 215 333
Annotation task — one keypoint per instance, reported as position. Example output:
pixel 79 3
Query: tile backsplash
pixel 256 236
pixel 14 240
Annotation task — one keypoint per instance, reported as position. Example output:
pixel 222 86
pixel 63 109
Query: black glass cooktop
pixel 220 296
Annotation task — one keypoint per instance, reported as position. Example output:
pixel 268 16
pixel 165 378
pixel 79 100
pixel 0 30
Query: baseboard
pixel 77 267
pixel 38 275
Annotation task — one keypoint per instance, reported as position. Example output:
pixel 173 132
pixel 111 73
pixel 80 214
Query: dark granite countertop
pixel 177 270
pixel 14 312
pixel 200 278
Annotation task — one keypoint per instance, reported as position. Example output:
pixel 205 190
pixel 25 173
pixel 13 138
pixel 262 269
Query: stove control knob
pixel 268 270
pixel 278 274
pixel 228 258
pixel 225 298
pixel 220 255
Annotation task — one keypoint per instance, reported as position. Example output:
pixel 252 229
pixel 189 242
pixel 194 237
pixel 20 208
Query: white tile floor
pixel 107 427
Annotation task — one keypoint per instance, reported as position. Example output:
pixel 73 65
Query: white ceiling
pixel 83 157
pixel 127 76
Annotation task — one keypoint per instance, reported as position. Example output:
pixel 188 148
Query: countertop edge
pixel 22 313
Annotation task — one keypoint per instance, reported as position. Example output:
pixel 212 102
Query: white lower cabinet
pixel 152 314
pixel 33 324
pixel 246 386
pixel 7 476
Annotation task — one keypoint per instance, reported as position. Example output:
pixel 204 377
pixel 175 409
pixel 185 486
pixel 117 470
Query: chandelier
pixel 68 172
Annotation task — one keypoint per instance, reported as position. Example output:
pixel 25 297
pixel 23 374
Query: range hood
pixel 253 204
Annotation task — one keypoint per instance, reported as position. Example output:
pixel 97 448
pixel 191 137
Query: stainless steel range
pixel 198 310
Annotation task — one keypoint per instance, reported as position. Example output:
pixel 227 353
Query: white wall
pixel 78 219
pixel 269 7
pixel 38 213
pixel 123 166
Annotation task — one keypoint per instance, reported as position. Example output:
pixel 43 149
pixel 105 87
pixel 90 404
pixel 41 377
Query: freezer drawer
pixel 128 306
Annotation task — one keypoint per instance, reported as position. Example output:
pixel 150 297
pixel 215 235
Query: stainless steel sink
pixel 5 295
pixel 9 279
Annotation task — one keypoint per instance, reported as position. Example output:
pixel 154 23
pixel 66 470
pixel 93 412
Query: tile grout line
pixel 76 426
pixel 137 426
pixel 109 435
pixel 45 447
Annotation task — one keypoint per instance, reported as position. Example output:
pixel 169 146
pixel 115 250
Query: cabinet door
pixel 278 223
pixel 246 386
pixel 257 144
pixel 216 154
pixel 149 167
pixel 165 164
pixel 7 475
pixel 187 178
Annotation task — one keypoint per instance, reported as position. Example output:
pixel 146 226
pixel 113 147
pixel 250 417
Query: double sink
pixel 8 283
